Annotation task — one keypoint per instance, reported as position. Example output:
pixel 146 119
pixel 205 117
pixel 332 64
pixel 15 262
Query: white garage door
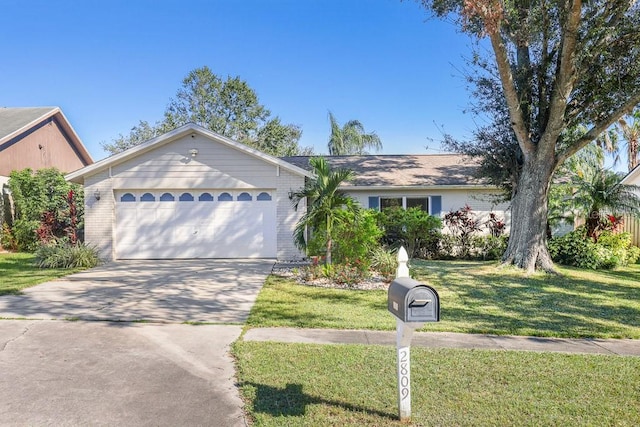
pixel 195 224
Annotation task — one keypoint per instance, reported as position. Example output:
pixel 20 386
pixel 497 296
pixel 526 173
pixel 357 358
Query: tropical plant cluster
pixel 47 220
pixel 611 250
pixel 366 241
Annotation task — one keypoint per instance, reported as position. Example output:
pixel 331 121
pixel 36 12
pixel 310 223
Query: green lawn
pixel 475 297
pixel 354 385
pixel 18 272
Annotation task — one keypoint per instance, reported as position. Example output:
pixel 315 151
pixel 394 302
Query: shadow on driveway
pixel 216 291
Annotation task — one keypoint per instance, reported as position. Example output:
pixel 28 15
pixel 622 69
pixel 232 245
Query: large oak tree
pixel 562 65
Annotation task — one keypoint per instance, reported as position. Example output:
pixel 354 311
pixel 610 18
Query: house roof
pixel 15 121
pixel 190 128
pixel 633 177
pixel 404 171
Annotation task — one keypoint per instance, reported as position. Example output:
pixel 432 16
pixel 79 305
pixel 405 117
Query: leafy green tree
pixel 229 107
pixel 351 138
pixel 140 133
pixel 559 64
pixel 36 194
pixel 325 200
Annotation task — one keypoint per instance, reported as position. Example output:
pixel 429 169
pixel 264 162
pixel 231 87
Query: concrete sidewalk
pixel 620 347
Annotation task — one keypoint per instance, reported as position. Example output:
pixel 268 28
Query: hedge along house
pixel 191 193
pixel 435 183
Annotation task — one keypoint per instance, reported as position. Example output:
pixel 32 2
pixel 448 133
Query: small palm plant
pixel 324 198
pixel 599 190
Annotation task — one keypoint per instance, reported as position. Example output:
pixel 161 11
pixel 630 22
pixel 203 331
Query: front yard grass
pixel 475 297
pixel 17 272
pixel 354 385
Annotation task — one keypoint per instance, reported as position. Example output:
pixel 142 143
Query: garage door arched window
pixel 225 197
pixel 263 197
pixel 127 197
pixel 148 197
pixel 186 197
pixel 167 197
pixel 244 197
pixel 205 197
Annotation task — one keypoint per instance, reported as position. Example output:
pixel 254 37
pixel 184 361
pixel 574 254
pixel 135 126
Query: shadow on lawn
pixel 499 301
pixel 291 401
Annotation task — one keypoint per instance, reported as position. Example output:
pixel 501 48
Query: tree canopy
pixel 567 70
pixel 229 107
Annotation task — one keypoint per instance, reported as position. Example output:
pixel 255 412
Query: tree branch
pixel 511 93
pixel 599 127
pixel 565 75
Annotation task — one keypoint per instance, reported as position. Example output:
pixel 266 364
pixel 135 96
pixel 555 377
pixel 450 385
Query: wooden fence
pixel 632 226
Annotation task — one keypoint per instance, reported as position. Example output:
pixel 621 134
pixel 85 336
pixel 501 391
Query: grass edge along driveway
pixel 17 272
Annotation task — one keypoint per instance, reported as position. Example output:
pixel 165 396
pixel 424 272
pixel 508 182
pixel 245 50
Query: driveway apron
pixel 176 291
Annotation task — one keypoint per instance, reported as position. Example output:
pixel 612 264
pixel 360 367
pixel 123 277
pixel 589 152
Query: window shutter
pixel 374 202
pixel 436 205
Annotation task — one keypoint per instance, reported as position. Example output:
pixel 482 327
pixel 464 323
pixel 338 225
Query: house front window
pixel 390 202
pixel 430 204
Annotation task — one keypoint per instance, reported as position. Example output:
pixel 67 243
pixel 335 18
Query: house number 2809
pixel 404 373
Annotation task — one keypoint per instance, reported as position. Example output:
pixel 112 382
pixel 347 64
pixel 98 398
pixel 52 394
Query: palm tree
pixel 631 134
pixel 629 130
pixel 597 190
pixel 324 199
pixel 351 138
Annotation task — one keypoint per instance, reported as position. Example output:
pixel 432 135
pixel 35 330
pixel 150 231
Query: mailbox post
pixel 413 304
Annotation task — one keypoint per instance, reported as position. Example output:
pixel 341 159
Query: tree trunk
pixel 527 247
pixel 329 239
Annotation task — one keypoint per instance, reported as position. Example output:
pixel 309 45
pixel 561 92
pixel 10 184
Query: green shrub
pixel 61 254
pixel 384 262
pixel 355 235
pixel 24 232
pixel 412 228
pixel 576 249
pixel 489 247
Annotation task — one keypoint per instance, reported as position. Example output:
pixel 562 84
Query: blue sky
pixel 109 64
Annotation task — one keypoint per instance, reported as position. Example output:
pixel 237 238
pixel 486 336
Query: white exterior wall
pixel 216 166
pixel 171 167
pixel 287 217
pixel 452 199
pixel 99 215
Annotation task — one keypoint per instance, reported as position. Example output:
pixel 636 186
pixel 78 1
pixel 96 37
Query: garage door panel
pixel 196 228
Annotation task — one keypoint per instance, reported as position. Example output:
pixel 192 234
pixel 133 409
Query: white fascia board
pixel 634 174
pixel 31 124
pixel 417 187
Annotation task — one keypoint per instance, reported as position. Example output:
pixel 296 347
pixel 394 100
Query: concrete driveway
pixel 57 373
pixel 216 291
pixel 119 373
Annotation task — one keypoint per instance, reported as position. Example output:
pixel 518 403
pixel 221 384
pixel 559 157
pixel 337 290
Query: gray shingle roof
pixel 13 119
pixel 402 170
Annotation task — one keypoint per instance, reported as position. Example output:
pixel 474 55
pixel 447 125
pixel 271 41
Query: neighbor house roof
pixel 633 177
pixel 16 121
pixel 190 128
pixel 407 171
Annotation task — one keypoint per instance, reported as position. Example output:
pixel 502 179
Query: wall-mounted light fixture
pixel 193 152
pixel 96 194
